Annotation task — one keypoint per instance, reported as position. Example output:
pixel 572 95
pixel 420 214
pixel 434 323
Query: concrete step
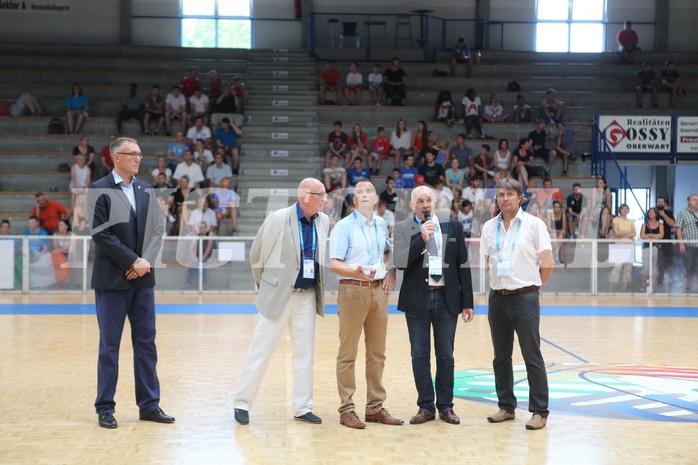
pixel 15 202
pixel 256 70
pixel 105 64
pixel 281 117
pixel 32 182
pixel 271 174
pixel 280 88
pixel 150 145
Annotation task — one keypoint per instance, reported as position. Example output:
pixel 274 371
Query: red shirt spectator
pixel 106 158
pixel 627 38
pixel 49 212
pixel 331 76
pixel 189 82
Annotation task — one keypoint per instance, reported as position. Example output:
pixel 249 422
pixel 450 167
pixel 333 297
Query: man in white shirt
pixel 219 170
pixel 199 131
pixel 198 105
pixel 204 213
pixel 191 169
pixel 175 108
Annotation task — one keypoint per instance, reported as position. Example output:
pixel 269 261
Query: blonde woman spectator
pixel 502 158
pixel 493 112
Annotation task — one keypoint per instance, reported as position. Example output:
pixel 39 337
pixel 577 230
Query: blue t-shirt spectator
pixel 177 150
pixel 354 175
pixel 36 245
pixel 407 175
pixel 228 138
pixel 76 103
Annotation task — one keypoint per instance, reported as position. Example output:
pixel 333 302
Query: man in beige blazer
pixel 286 258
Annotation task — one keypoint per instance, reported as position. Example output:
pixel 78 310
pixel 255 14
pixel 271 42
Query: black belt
pixel 521 290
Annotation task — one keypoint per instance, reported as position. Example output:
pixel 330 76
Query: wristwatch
pixel 391 268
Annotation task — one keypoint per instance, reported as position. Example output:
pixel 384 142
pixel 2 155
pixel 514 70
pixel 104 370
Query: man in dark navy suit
pixel 127 229
pixel 436 288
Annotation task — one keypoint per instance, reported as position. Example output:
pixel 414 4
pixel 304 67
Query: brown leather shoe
pixel 351 420
pixel 536 422
pixel 449 416
pixel 382 416
pixel 422 417
pixel 500 416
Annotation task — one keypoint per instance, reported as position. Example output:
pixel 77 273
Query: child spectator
pixel 357 173
pixel 445 110
pixel 353 86
pixel 357 145
pixel 472 110
pixel 493 111
pixel 337 144
pixel 523 113
pixel 335 176
pixel 465 217
pixel 399 183
pixel 175 109
pixel 380 151
pixel 375 84
pixel 576 210
pixel 77 109
pixel 389 196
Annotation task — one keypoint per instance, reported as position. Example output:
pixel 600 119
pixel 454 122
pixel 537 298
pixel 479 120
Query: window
pixel 216 23
pixel 570 26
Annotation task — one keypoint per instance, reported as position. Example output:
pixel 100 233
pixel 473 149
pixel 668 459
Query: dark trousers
pixel 435 314
pixel 518 313
pixel 113 307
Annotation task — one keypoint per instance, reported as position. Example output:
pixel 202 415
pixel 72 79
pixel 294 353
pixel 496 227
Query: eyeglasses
pixel 132 154
pixel 319 194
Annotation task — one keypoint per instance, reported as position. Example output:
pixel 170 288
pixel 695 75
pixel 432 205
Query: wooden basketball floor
pixel 624 390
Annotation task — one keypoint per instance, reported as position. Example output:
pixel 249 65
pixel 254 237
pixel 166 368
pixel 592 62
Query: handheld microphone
pixel 427 215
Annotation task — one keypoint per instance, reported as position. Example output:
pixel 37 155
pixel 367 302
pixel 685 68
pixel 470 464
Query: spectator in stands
pixel 651 230
pixel 78 105
pixel 199 131
pixel 627 43
pixel 81 222
pixel 387 215
pixel 199 105
pixel 227 200
pixel 625 233
pixel 502 159
pixel 84 148
pixel 175 151
pixel 455 179
pixel 175 109
pixel 431 170
pixel 202 156
pixel 190 169
pixel 337 145
pixel 557 226
pixel 445 109
pixel 215 85
pixel 576 210
pixel 153 108
pixel 199 254
pixel 493 112
pixel 475 193
pixel 687 235
pixel 443 199
pixel 375 84
pixel 395 175
pixel 461 54
pixel 529 193
pixel 41 273
pixel 225 106
pixel 523 113
pixel 25 105
pixel 671 82
pixel 227 139
pixel 552 108
pixel 177 202
pixel 463 153
pixel 547 195
pixel 219 170
pixel 60 253
pixel 400 141
pixel 419 141
pixel 80 178
pixel 162 168
pixel 190 81
pixel 357 173
pixel 203 212
pixel 482 164
pixel 394 78
pixel 380 151
pixel 472 110
pixel 357 145
pixel 523 163
pixel 465 217
pixel 565 145
pixel 130 108
pixel 538 137
pixel 389 196
pixel 240 92
pixel 647 82
pixel 105 158
pixel 665 257
pixel 330 80
pixel 439 149
pixel 600 208
pixel 49 212
pixel 408 172
pixel 335 176
pixel 18 266
pixel 352 89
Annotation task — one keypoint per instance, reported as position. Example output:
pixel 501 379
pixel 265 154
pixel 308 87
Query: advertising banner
pixel 637 134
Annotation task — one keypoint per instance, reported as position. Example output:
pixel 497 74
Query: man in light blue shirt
pixel 360 255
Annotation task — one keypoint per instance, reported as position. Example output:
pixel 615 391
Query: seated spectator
pixel 443 199
pixel 547 195
pixel 576 210
pixel 175 109
pixel 202 155
pixel 190 169
pixel 160 182
pixel 445 110
pixel 627 43
pixel 482 165
pixel 380 151
pixel 565 144
pixel 551 108
pixel 130 108
pixel 199 106
pixel 41 273
pixel 436 148
pixel 475 193
pixel 215 85
pixel 671 82
pixel 203 213
pixel 84 148
pixel 225 106
pixel 472 111
pixel 330 80
pixel 538 137
pixel 394 78
pixel 455 179
pixel 501 161
pixel 153 108
pixel 529 193
pixel 163 169
pixel 463 153
pixel 395 175
pixel 646 82
pixel 523 113
pixel 431 170
pixel 375 84
pixel 240 92
pixel 465 217
pixel 357 173
pixel 80 178
pixel 357 146
pixel 188 82
pixel 25 105
pixel 408 172
pixel 81 222
pixel 337 144
pixel 199 254
pixel 175 151
pixel 335 175
pixel 493 111
pixel 387 215
pixel 77 109
pixel 389 196
pixel 227 202
pixel 419 140
pixel 49 212
pixel 18 266
pixel 63 246
pixel 177 201
pixel 523 163
pixel 199 131
pixel 227 139
pixel 400 142
pixel 461 54
pixel 106 161
pixel 352 89
pixel 557 227
pixel 218 170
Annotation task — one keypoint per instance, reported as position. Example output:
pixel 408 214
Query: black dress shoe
pixel 310 417
pixel 107 420
pixel 242 416
pixel 157 415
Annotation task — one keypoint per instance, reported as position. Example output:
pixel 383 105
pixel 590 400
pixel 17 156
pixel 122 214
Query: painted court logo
pixel 614 133
pixel 656 393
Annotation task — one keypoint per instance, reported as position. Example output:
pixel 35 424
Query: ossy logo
pixel 614 133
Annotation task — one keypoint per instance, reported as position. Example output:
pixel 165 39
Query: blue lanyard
pixel 437 235
pixel 368 243
pixel 300 233
pixel 499 229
